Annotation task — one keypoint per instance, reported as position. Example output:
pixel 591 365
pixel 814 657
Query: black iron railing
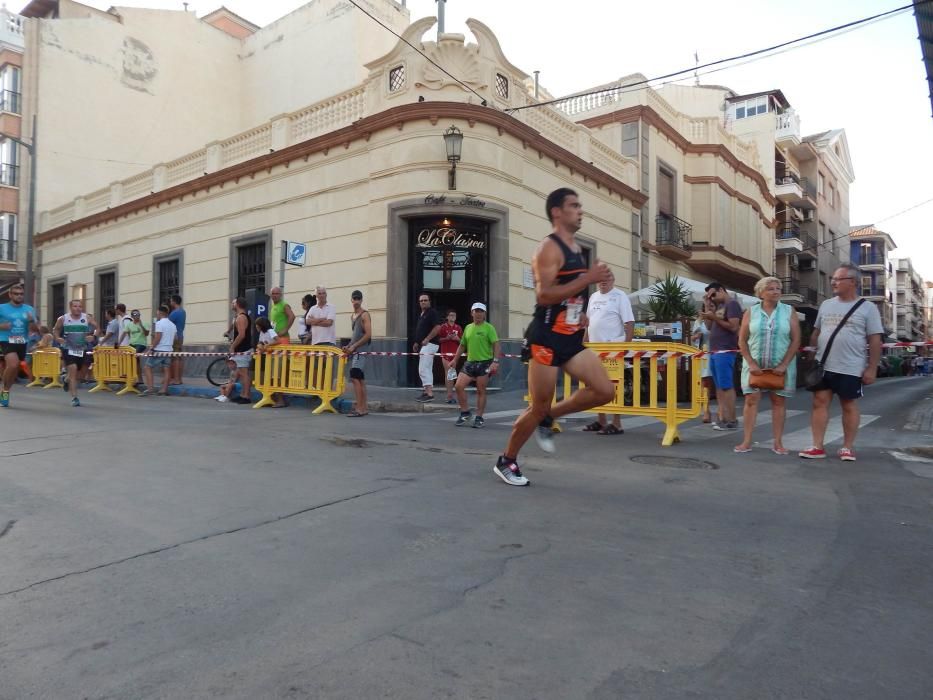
pixel 10 101
pixel 673 231
pixel 9 175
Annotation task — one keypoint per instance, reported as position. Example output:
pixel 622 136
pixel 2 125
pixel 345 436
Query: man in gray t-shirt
pixel 851 363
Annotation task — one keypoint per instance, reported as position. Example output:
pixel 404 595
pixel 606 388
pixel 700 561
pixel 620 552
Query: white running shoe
pixel 221 399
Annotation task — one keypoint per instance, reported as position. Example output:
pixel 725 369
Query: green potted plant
pixel 671 301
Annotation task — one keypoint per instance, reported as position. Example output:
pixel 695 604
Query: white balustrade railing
pixel 247 145
pixel 334 113
pixel 138 186
pixel 189 167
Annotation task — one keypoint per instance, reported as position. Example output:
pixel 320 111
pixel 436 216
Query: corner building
pixel 360 177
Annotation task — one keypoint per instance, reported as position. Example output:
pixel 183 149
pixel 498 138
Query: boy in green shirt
pixel 481 344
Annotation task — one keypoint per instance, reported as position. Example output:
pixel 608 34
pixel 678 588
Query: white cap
pixel 478 305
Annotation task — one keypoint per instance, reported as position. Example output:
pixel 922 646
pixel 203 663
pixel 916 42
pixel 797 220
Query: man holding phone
pixel 723 316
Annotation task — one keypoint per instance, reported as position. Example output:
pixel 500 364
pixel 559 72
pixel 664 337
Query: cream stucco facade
pixel 710 213
pixel 352 176
pixel 140 87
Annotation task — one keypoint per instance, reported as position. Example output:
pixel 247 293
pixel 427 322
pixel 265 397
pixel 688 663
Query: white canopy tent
pixel 696 289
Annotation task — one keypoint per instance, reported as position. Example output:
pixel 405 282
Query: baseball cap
pixel 478 306
pixel 357 294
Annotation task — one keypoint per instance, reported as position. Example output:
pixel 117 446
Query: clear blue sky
pixel 869 81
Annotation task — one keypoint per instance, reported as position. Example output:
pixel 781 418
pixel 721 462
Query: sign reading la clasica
pixel 449 237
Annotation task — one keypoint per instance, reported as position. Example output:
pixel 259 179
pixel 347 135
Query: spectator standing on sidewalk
pixel 426 345
pixel 610 320
pixel 307 301
pixel 846 369
pixel 123 340
pixel 280 313
pixel 241 349
pixel 179 318
pixel 481 344
pixel 450 336
pixel 361 334
pixel 111 331
pixel 700 338
pixel 163 336
pixel 321 319
pixel 266 340
pixel 769 339
pixel 723 315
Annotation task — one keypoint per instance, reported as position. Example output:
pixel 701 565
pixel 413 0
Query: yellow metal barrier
pixel 655 356
pixel 291 369
pixel 46 364
pixel 117 365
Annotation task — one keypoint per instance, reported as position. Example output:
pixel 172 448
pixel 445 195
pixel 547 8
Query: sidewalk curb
pixel 342 404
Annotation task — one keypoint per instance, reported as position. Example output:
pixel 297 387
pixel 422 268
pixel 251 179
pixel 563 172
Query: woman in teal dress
pixel 769 338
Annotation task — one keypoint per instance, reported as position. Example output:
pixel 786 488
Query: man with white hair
pixel 611 320
pixel 321 320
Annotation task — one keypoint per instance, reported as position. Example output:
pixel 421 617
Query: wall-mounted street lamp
pixel 453 142
pixel 30 227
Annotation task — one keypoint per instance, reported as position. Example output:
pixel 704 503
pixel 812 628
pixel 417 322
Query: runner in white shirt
pixel 609 320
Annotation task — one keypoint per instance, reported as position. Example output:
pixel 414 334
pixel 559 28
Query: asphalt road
pixel 177 548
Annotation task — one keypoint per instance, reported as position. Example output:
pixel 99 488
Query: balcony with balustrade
pixel 797 294
pixel 672 238
pixel 791 238
pixel 787 128
pixel 794 190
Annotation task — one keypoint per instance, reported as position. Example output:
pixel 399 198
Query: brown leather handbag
pixel 767 380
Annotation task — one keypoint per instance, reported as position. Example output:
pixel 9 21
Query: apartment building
pixel 909 301
pixel 363 179
pixel 870 249
pixel 811 176
pixel 710 210
pixel 11 62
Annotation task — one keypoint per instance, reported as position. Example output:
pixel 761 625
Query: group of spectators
pixel 768 337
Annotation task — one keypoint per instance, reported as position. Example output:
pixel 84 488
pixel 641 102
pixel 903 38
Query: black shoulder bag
pixel 814 376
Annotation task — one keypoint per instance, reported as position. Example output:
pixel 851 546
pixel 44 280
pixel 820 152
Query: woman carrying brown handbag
pixel 769 338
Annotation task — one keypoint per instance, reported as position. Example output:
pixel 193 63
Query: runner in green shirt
pixel 481 344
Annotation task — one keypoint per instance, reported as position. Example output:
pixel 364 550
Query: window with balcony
pixel 9 163
pixel 10 89
pixel 8 237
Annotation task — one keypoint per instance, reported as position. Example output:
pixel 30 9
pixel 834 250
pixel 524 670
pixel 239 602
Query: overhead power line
pixel 428 58
pixel 865 228
pixel 750 54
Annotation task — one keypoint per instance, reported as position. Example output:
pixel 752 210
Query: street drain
pixel 673 462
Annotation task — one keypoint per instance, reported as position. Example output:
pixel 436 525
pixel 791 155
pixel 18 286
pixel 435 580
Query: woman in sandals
pixel 609 319
pixel 769 338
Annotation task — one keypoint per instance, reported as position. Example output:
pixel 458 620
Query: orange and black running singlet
pixel 564 318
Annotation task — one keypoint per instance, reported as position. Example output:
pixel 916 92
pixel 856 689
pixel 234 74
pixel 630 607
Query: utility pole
pixel 441 5
pixel 31 222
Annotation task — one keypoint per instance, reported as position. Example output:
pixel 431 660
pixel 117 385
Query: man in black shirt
pixel 429 325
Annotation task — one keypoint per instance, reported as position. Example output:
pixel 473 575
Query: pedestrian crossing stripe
pixel 803 438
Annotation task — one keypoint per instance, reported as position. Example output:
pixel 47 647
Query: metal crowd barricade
pixel 660 361
pixel 46 364
pixel 304 370
pixel 115 365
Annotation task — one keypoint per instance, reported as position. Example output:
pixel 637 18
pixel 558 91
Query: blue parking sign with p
pixel 295 253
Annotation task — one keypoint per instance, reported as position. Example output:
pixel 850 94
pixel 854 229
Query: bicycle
pixel 217 372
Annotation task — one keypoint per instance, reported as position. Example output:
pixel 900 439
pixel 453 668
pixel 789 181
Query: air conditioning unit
pixel 797 214
pixel 808 214
pixel 807 265
pixel 794 262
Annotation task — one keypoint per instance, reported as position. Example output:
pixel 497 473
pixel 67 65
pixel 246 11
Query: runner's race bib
pixel 75 353
pixel 574 311
pixel 17 340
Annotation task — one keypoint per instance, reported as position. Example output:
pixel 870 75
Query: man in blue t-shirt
pixel 178 316
pixel 15 319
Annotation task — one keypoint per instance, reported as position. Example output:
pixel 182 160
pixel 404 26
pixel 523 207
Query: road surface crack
pixel 168 547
